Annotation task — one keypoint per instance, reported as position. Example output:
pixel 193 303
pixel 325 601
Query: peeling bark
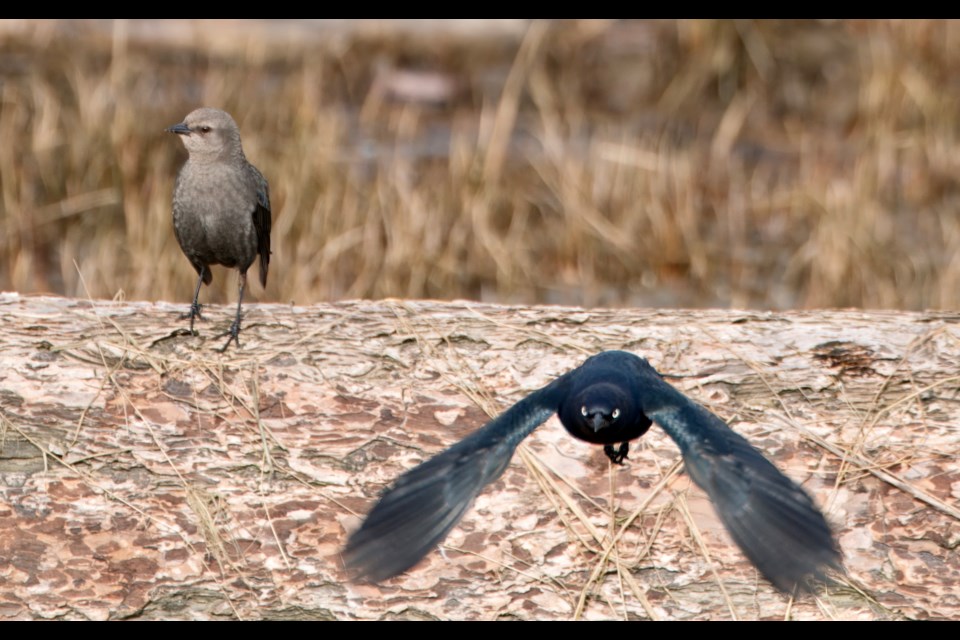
pixel 144 475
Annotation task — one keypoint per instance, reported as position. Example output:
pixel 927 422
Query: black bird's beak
pixel 179 129
pixel 596 421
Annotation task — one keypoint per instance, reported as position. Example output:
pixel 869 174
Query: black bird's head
pixel 599 415
pixel 603 413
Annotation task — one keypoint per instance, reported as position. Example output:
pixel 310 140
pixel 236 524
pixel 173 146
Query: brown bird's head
pixel 209 134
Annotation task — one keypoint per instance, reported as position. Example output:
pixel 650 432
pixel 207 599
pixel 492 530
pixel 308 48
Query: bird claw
pixel 234 334
pixel 192 314
pixel 617 455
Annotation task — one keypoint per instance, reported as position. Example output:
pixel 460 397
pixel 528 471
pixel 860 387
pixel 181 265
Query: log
pixel 144 475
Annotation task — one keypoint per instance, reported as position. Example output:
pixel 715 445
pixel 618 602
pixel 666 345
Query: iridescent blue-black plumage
pixel 610 399
pixel 602 403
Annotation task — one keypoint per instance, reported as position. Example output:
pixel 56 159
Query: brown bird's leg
pixel 196 306
pixel 234 331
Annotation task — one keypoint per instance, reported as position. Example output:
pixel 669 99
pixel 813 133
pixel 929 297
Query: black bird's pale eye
pixel 615 414
pixel 583 411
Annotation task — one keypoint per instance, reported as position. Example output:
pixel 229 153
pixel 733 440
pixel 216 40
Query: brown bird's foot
pixel 192 314
pixel 234 334
pixel 617 455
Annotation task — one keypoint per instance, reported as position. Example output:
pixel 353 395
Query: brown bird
pixel 221 205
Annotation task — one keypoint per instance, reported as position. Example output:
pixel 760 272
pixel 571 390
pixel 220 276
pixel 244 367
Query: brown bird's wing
pixel 261 223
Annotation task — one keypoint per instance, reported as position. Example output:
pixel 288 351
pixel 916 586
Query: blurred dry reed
pixel 693 163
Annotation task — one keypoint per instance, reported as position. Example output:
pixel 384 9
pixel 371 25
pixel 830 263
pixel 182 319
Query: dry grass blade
pixel 873 469
pixel 611 543
pixel 695 532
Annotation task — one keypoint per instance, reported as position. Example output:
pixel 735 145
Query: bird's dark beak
pixel 596 421
pixel 179 129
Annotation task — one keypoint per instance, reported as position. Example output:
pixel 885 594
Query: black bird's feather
pixel 426 502
pixel 611 398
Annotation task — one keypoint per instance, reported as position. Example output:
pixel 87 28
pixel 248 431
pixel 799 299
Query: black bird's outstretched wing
pixel 425 503
pixel 774 522
pixel 611 398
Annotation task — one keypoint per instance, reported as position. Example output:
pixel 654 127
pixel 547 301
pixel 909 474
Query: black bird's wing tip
pixel 774 521
pixel 415 515
pixel 367 559
pixel 363 564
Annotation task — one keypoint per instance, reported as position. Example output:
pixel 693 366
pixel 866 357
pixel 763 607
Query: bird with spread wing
pixel 612 398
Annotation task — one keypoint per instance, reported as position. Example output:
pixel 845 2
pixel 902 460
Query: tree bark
pixel 144 475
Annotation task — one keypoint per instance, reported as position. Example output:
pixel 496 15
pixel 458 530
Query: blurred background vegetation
pixel 764 164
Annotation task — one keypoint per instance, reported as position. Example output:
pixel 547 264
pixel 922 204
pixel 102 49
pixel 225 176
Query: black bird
pixel 611 398
pixel 221 205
